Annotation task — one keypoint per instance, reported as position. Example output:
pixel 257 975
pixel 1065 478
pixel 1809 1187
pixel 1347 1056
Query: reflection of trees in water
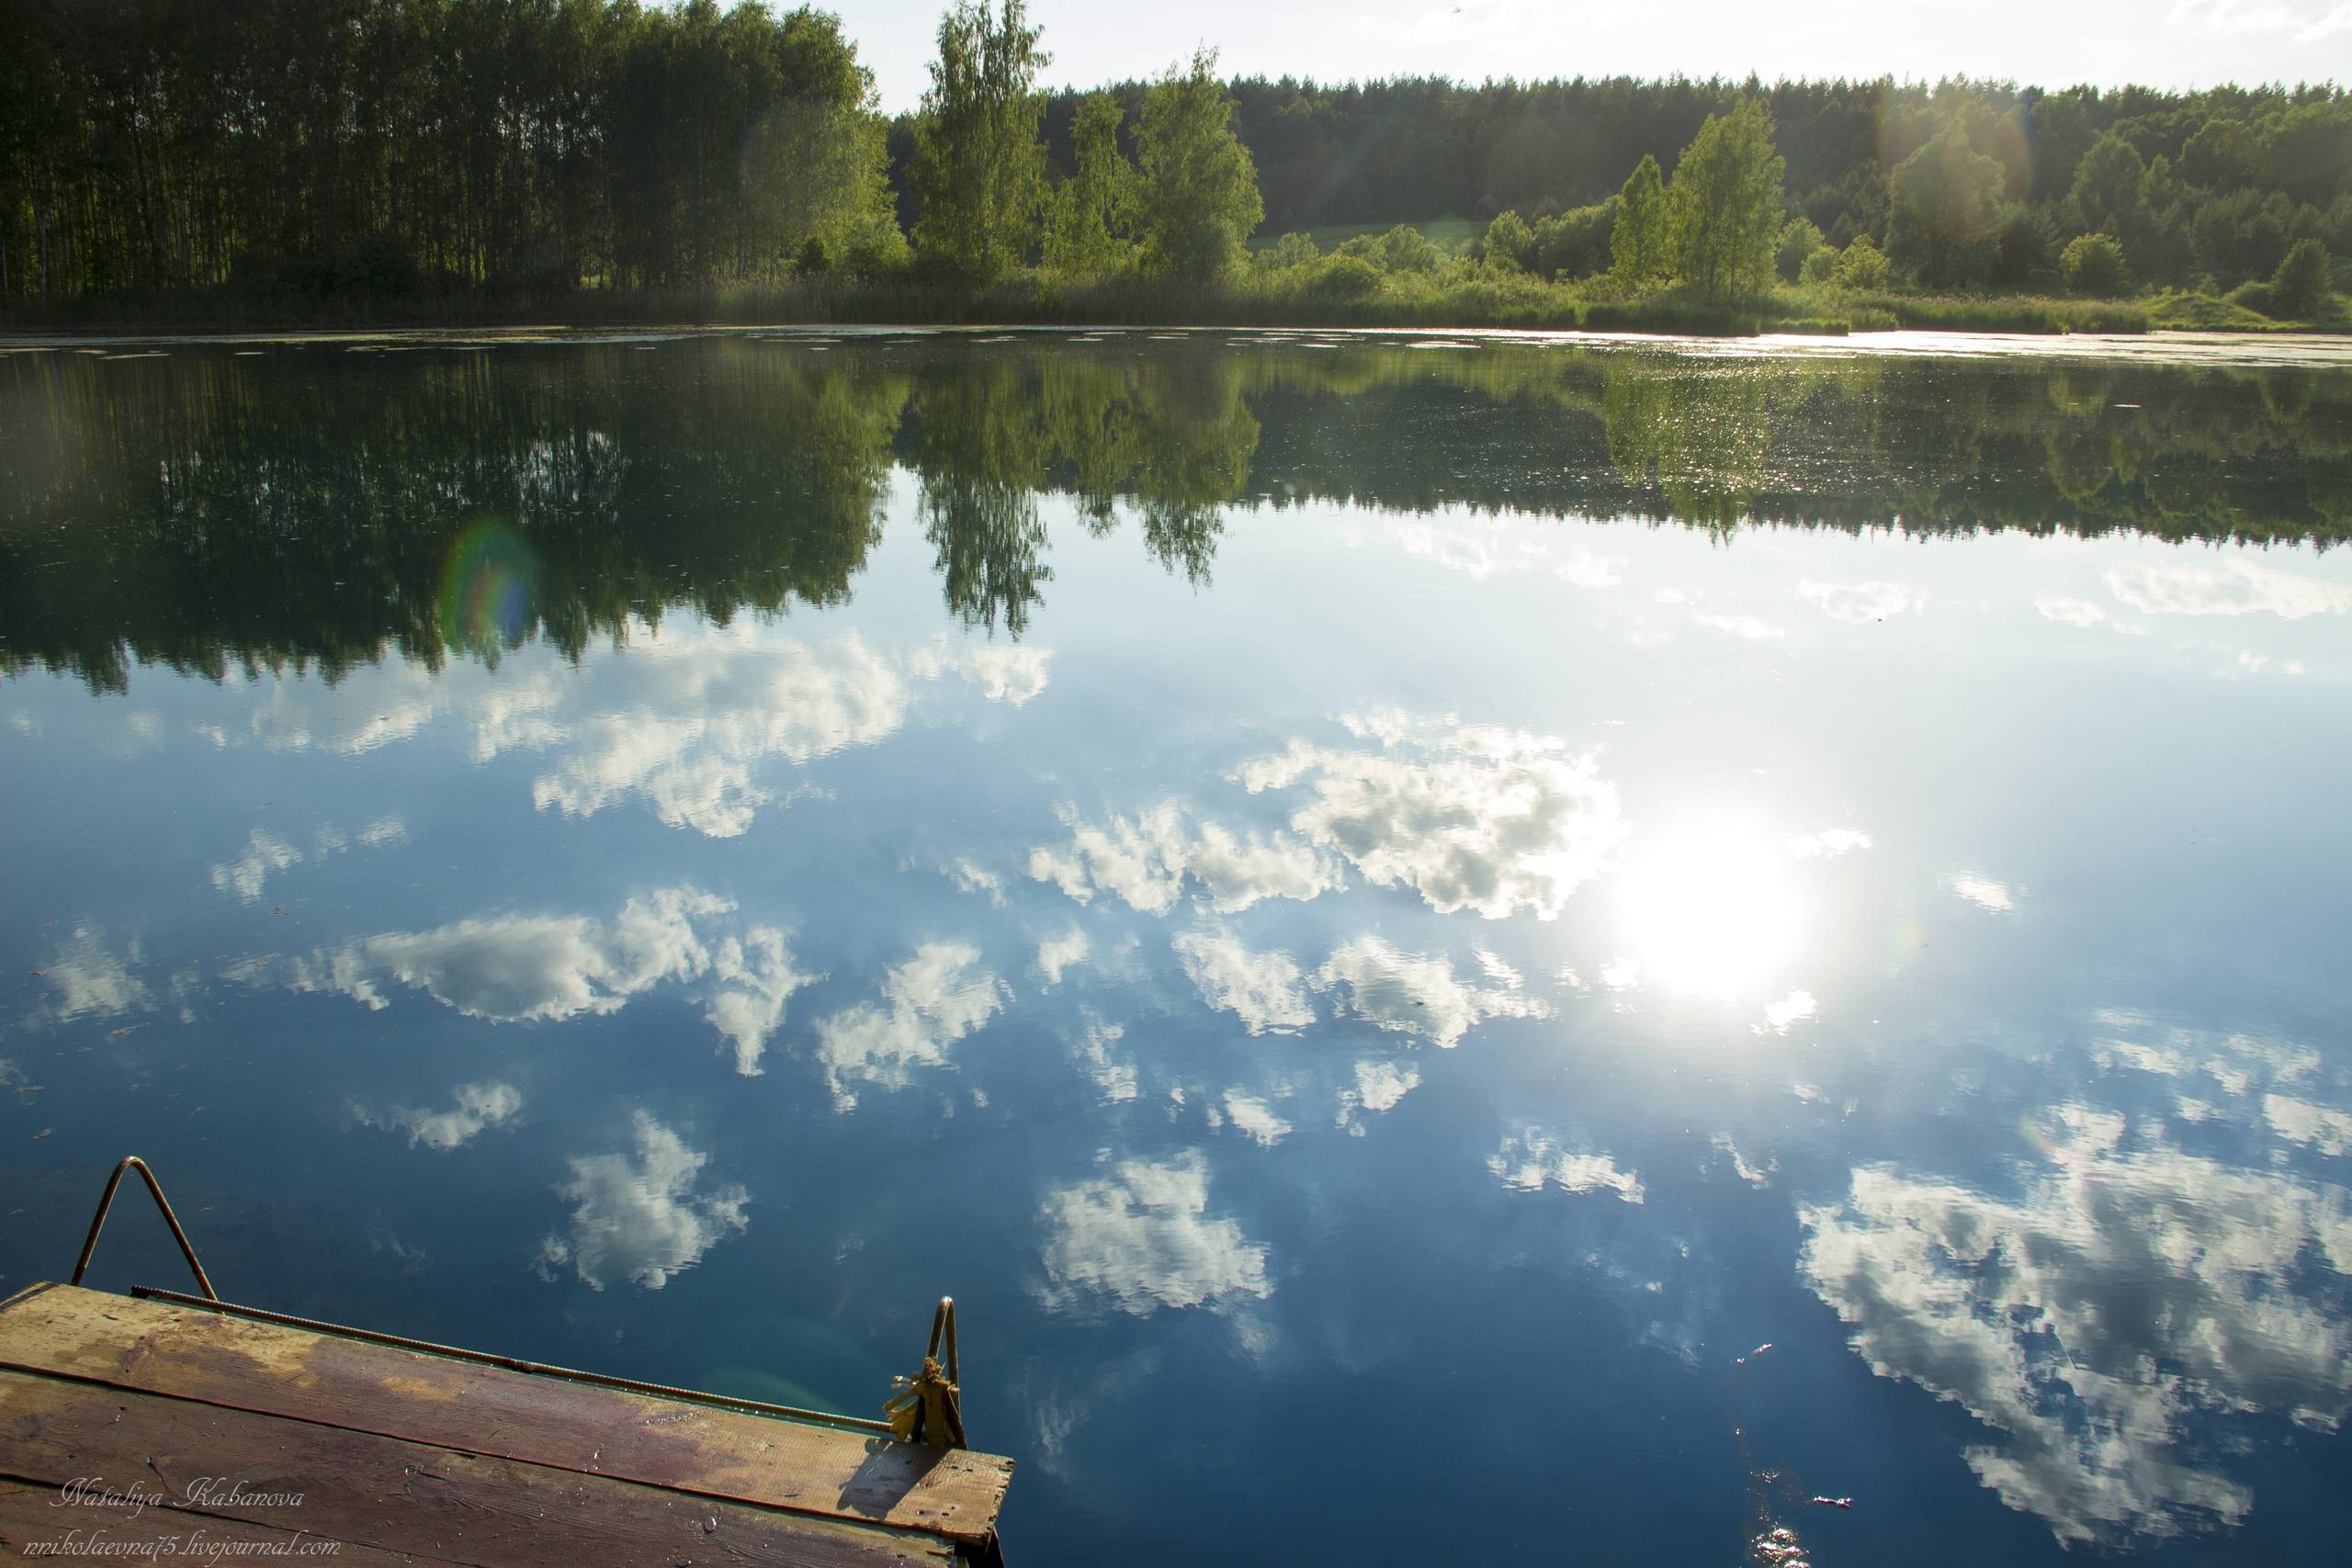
pixel 302 508
pixel 204 514
pixel 1701 433
pixel 1927 446
pixel 1169 433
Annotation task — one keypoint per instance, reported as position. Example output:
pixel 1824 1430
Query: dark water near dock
pixel 1385 914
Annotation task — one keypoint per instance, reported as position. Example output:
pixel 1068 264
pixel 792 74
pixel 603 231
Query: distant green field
pixel 1451 232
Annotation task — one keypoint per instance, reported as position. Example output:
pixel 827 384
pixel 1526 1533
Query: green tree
pixel 978 166
pixel 1090 230
pixel 1724 209
pixel 2219 156
pixel 1799 239
pixel 1637 253
pixel 2111 189
pixel 2299 289
pixel 1290 251
pixel 1406 249
pixel 1577 243
pixel 817 174
pixel 2309 151
pixel 1860 266
pixel 1200 187
pixel 1946 223
pixel 2093 263
pixel 1509 243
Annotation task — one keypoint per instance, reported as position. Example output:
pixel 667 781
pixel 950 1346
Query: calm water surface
pixel 1387 916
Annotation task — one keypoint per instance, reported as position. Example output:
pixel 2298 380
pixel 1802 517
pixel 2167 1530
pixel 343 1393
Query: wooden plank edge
pixel 959 1531
pixel 47 1413
pixel 972 1523
pixel 28 1293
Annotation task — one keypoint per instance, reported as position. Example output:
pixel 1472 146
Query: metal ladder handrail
pixel 98 1223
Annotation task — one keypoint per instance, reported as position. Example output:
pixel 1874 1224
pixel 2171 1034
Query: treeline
pixel 373 146
pixel 1961 183
pixel 302 509
pixel 309 149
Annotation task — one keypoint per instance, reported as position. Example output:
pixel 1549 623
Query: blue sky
pixel 2052 42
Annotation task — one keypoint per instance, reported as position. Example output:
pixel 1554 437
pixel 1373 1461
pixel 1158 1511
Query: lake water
pixel 1385 914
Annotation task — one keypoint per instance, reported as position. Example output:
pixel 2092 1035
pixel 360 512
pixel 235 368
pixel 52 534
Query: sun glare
pixel 1709 906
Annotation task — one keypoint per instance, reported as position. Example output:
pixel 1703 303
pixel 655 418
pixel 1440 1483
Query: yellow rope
pixel 929 1405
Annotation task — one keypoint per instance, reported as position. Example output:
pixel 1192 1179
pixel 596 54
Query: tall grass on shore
pixel 1332 298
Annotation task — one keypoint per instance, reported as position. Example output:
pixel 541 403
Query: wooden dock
pixel 186 1429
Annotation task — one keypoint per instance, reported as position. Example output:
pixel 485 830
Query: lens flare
pixel 489 589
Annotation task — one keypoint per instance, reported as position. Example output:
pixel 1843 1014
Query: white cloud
pixel 2235 1062
pixel 268 853
pixel 1829 844
pixel 1264 990
pixel 2328 1131
pixel 1585 570
pixel 1004 674
pixel 1531 1162
pixel 2235 588
pixel 969 877
pixel 639 1216
pixel 1254 1118
pixel 544 969
pixel 1984 891
pixel 2071 611
pixel 1379 1086
pixel 1417 994
pixel 2088 1318
pixel 2306 21
pixel 90 980
pixel 1469 816
pixel 1498 969
pixel 1145 860
pixel 1792 1009
pixel 1750 627
pixel 930 1001
pixel 1861 602
pixel 1056 955
pixel 690 722
pixel 756 978
pixel 1476 545
pixel 1112 1076
pixel 478 1108
pixel 1481 545
pixel 1140 1239
pixel 694 720
pixel 374 706
pixel 1754 1175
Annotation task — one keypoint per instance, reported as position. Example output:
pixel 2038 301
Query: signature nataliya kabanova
pixel 137 1497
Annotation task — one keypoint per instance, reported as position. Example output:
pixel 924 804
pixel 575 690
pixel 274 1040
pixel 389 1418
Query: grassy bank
pixel 1300 298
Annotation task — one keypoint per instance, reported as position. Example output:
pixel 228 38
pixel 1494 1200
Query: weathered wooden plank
pixel 412 1498
pixel 42 1521
pixel 236 1363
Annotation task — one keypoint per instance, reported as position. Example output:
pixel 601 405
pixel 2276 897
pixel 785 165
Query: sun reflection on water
pixel 1710 905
